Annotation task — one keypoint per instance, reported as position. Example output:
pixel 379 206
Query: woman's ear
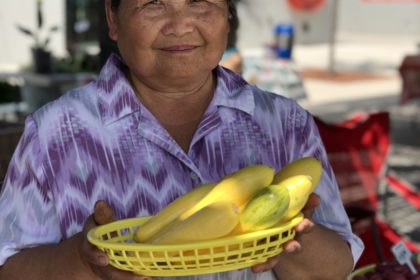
pixel 111 18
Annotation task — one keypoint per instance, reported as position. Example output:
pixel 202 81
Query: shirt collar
pixel 117 99
pixel 233 91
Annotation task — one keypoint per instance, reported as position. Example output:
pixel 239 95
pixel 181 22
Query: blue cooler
pixel 283 45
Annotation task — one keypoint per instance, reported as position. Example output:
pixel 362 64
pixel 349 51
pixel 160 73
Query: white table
pixel 275 75
pixel 38 89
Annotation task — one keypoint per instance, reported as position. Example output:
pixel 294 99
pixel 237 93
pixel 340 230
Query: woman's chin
pixel 185 72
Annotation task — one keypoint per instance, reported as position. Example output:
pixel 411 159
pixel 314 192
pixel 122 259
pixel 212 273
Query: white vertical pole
pixel 334 17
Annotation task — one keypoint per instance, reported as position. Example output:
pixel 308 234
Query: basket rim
pixel 93 234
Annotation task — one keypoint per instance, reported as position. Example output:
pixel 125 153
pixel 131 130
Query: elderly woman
pixel 161 118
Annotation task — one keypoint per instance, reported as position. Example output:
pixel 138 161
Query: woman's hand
pixel 93 257
pixel 294 245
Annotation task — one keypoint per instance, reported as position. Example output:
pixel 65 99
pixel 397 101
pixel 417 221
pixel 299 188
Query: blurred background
pixel 345 61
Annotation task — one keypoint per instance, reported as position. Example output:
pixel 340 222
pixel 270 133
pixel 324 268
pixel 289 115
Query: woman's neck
pixel 177 106
pixel 179 112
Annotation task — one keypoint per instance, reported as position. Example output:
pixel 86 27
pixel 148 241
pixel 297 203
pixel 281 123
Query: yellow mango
pixel 308 166
pixel 171 212
pixel 213 221
pixel 237 187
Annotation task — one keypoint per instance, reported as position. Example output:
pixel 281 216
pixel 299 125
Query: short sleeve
pixel 330 213
pixel 27 217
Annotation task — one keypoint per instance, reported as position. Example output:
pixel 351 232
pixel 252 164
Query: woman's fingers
pixel 93 255
pixel 111 273
pixel 313 202
pixel 305 226
pixel 96 259
pixel 268 265
pixel 292 246
pixel 90 253
pixel 103 213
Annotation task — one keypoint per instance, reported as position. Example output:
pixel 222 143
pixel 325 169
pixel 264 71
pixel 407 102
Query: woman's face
pixel 175 39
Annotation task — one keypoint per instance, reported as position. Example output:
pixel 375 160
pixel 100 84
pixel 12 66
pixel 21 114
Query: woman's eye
pixel 201 6
pixel 144 3
pixel 151 8
pixel 199 2
pixel 153 2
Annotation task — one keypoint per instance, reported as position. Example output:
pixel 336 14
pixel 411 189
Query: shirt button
pixel 193 176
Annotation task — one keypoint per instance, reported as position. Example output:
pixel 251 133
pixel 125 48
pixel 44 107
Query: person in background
pixel 232 58
pixel 161 119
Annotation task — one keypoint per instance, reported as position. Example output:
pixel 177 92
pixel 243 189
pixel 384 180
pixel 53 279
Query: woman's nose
pixel 179 22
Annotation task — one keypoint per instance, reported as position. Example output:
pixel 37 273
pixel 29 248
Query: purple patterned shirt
pixel 99 142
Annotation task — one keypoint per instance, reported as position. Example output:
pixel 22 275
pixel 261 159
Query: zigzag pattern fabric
pixel 99 142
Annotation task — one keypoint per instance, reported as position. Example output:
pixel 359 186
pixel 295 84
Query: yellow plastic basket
pixel 228 253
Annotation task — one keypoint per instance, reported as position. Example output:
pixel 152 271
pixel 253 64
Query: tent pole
pixel 332 43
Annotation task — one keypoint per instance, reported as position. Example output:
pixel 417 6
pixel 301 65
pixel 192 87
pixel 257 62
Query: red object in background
pixel 410 75
pixel 357 150
pixel 306 5
pixel 404 190
pixel 369 255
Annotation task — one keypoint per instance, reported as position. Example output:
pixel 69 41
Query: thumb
pixel 103 213
pixel 313 201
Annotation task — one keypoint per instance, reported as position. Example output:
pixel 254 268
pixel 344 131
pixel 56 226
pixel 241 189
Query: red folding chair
pixel 358 149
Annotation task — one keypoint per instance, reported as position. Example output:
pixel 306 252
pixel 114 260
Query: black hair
pixel 233 23
pixel 115 4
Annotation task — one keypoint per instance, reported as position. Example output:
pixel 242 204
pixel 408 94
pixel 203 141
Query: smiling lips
pixel 179 48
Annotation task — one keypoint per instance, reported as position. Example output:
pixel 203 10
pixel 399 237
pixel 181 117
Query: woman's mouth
pixel 179 48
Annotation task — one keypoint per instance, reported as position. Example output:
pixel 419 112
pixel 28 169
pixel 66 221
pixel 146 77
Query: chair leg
pixel 377 240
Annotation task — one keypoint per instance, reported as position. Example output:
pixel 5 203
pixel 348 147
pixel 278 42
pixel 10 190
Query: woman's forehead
pixel 128 3
pixel 152 3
